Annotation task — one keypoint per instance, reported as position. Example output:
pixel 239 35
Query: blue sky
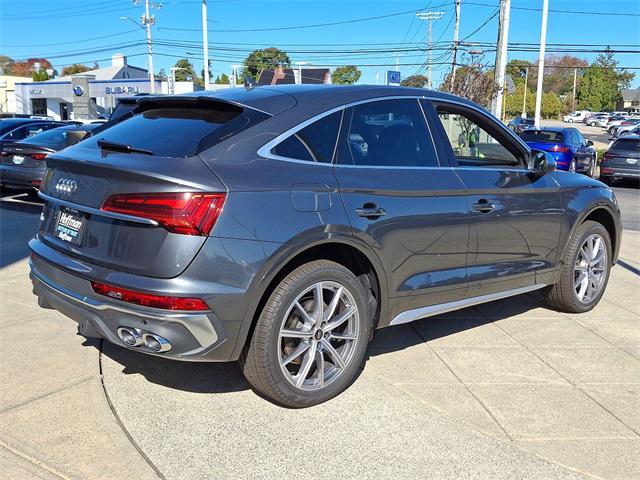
pixel 67 31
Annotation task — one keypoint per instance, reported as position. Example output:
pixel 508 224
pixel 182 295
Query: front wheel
pixel 585 270
pixel 310 340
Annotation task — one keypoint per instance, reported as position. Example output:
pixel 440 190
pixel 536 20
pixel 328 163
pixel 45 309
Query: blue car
pixel 567 145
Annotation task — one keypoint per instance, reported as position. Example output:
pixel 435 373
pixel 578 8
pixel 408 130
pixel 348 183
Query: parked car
pixel 596 120
pixel 627 125
pixel 615 121
pixel 622 160
pixel 518 124
pixel 634 131
pixel 23 164
pixel 567 146
pixel 575 117
pixel 280 226
pixel 17 129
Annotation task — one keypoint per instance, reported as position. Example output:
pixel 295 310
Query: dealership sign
pixel 121 90
pixel 36 91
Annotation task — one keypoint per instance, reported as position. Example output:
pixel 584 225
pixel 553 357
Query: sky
pixel 83 31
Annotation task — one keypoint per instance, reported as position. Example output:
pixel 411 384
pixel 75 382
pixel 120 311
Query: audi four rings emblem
pixel 66 186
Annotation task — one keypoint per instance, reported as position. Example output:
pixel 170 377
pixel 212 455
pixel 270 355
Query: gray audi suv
pixel 280 226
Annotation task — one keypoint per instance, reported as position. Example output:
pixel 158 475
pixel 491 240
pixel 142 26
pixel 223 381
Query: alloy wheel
pixel 590 270
pixel 318 336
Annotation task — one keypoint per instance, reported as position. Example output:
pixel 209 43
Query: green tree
pixel 518 70
pixel 513 102
pixel 75 68
pixel 346 75
pixel 601 85
pixel 186 72
pixel 268 58
pixel 416 81
pixel 551 105
pixel 161 75
pixel 222 79
pixel 210 72
pixel 40 75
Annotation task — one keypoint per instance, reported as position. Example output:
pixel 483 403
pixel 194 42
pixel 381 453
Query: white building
pixel 55 98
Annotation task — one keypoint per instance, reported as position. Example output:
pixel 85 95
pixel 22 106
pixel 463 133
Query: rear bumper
pixel 193 336
pixel 11 175
pixel 616 172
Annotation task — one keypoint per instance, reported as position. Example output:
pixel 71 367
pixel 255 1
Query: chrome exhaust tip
pixel 156 343
pixel 130 336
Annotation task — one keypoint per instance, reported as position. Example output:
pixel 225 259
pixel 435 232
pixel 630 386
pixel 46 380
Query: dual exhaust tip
pixel 134 337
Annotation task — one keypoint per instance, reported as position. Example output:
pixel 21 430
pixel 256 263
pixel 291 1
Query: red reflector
pixel 38 156
pixel 146 300
pixel 189 213
pixel 606 170
pixel 36 182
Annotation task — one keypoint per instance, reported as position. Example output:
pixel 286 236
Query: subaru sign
pixel 393 78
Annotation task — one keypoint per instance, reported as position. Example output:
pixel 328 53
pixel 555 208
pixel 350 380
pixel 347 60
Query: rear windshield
pixel 627 144
pixel 544 136
pixel 56 139
pixel 181 131
pixel 8 125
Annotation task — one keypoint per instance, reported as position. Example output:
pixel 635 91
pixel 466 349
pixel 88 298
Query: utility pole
pixel 573 99
pixel 456 31
pixel 205 44
pixel 524 101
pixel 147 21
pixel 430 16
pixel 543 40
pixel 501 56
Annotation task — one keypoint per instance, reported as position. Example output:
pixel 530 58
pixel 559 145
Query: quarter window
pixel 314 143
pixel 472 144
pixel 388 133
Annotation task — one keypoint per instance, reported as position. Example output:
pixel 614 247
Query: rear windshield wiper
pixel 121 147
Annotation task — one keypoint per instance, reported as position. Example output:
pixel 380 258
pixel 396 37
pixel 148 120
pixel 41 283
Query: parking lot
pixel 504 390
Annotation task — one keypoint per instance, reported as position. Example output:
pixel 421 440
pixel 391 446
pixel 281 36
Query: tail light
pixel 558 149
pixel 147 300
pixel 38 156
pixel 187 213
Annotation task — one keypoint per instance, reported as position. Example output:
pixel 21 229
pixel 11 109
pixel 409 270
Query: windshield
pixel 544 136
pixel 627 145
pixel 57 138
pixel 179 131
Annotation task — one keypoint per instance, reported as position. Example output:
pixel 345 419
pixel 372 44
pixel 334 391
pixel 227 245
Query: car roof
pixel 18 121
pixel 550 129
pixel 277 98
pixel 84 127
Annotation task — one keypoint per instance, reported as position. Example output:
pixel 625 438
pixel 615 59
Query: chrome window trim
pixel 265 150
pixel 96 211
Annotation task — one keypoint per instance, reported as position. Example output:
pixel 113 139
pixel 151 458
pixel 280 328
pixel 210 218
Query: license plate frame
pixel 69 226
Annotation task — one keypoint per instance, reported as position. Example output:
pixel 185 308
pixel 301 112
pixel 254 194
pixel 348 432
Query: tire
pixel 565 295
pixel 592 124
pixel 570 120
pixel 592 168
pixel 271 362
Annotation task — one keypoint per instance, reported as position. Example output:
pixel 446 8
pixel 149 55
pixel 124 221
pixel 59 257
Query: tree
pixel 268 58
pixel 75 68
pixel 222 79
pixel 551 105
pixel 40 75
pixel 210 72
pixel 186 73
pixel 26 68
pixel 473 82
pixel 6 64
pixel 346 75
pixel 601 85
pixel 513 102
pixel 161 75
pixel 518 70
pixel 416 81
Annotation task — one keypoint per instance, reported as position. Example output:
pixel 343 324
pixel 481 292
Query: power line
pixel 75 41
pixel 572 12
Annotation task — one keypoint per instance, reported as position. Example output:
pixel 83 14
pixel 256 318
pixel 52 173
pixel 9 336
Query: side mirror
pixel 541 162
pixel 589 143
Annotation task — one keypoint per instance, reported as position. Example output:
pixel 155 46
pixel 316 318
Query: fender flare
pixel 288 252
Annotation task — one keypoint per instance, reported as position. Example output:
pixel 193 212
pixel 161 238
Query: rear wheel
pixel 585 270
pixel 310 340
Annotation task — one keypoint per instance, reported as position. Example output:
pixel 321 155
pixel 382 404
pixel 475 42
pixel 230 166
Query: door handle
pixel 484 206
pixel 370 211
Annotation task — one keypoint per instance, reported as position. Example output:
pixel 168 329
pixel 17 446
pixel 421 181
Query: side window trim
pixel 494 130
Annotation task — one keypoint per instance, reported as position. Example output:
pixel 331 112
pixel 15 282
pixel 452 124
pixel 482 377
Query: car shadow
pixel 19 223
pixel 227 377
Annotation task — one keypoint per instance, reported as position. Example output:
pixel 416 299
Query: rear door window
pixel 180 131
pixel 388 133
pixel 314 143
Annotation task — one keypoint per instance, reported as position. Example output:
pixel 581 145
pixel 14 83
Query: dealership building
pixel 92 93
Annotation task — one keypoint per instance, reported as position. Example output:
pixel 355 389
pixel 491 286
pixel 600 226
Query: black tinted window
pixel 314 143
pixel 627 144
pixel 57 138
pixel 546 136
pixel 180 131
pixel 388 133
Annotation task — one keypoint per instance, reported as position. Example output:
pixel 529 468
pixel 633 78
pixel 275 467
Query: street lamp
pixel 146 22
